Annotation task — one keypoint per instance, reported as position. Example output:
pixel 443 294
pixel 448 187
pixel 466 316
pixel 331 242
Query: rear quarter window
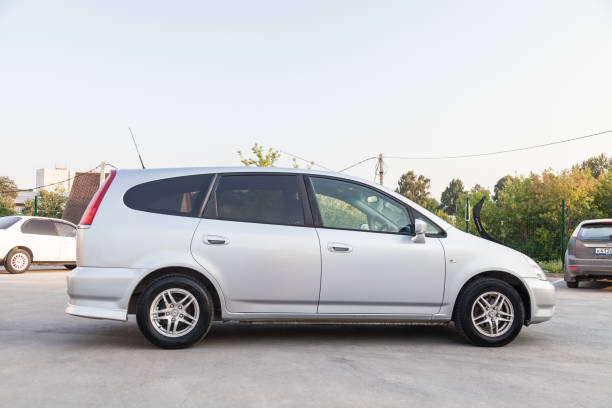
pixel 181 196
pixel 602 232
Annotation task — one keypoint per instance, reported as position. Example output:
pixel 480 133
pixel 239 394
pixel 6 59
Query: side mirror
pixel 419 229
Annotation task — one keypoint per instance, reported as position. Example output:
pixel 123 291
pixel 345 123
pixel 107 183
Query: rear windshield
pixel 6 222
pixel 596 231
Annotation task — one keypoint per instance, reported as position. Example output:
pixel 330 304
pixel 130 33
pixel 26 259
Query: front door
pixel 370 263
pixel 255 241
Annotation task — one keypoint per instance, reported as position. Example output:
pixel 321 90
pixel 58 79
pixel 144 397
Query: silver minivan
pixel 181 248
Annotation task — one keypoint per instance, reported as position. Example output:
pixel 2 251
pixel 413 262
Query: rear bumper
pixel 101 293
pixel 588 269
pixel 543 297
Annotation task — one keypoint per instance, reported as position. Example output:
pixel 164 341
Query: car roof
pixel 596 221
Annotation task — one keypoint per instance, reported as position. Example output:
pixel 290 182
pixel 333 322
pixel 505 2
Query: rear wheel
pixel 70 266
pixel 174 312
pixel 572 285
pixel 17 261
pixel 490 313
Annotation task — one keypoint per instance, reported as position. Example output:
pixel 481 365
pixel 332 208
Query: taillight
pixel 95 202
pixel 575 233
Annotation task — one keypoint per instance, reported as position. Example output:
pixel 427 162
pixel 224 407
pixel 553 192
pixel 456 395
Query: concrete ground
pixel 48 358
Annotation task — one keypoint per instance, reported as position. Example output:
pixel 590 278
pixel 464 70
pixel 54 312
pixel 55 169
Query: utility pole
pixel 381 169
pixel 102 172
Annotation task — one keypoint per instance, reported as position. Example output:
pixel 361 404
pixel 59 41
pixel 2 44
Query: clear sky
pixel 332 81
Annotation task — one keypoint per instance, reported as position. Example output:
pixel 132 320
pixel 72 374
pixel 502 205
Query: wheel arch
pixel 175 270
pixel 507 277
pixel 23 247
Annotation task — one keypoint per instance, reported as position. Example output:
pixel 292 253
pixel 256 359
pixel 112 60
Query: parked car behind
pixel 183 247
pixel 589 252
pixel 36 240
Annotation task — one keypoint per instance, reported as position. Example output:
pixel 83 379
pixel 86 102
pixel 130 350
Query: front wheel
pixel 174 312
pixel 70 266
pixel 490 313
pixel 17 261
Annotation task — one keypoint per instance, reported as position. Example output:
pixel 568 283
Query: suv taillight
pixel 94 204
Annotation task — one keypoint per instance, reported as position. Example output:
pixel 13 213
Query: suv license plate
pixel 603 251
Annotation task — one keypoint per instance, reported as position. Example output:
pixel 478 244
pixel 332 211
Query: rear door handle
pixel 215 240
pixel 339 247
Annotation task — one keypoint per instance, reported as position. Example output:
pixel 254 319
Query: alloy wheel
pixel 492 314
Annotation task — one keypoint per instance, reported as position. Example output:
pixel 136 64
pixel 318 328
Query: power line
pixel 358 163
pixel 518 149
pixel 307 161
pixel 463 156
pixel 49 185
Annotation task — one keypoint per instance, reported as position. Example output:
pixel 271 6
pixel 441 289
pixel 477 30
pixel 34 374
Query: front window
pixel 352 206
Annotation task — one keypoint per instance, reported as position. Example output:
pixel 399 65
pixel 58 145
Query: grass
pixel 554 266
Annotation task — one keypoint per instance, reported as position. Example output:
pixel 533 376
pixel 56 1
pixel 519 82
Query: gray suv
pixel 589 252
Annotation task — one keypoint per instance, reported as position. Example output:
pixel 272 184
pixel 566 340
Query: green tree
pixel 499 186
pixel 414 186
pixel 598 165
pixel 262 158
pixel 8 193
pixel 602 196
pixel 50 203
pixel 451 194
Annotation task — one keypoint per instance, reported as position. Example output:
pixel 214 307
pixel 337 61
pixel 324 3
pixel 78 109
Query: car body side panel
pixel 468 255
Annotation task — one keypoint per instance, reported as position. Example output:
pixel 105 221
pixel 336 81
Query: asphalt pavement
pixel 48 358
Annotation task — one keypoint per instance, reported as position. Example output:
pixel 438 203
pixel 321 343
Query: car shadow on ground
pixel 239 335
pixel 596 285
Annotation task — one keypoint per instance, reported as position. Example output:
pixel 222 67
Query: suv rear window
pixel 601 232
pixel 6 222
pixel 173 196
pixel 38 227
pixel 271 199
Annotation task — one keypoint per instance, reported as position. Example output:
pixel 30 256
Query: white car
pixel 36 240
pixel 183 247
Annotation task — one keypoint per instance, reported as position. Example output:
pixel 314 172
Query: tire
pixel 168 294
pixel 17 261
pixel 471 304
pixel 572 285
pixel 70 266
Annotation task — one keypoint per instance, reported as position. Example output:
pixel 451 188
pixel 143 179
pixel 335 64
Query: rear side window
pixel 65 230
pixel 271 199
pixel 38 227
pixel 602 232
pixel 7 222
pixel 173 196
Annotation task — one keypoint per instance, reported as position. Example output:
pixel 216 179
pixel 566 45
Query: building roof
pixel 83 189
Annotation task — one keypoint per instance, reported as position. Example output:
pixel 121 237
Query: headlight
pixel 536 268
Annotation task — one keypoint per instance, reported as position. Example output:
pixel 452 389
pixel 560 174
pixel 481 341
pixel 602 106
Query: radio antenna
pixel 136 146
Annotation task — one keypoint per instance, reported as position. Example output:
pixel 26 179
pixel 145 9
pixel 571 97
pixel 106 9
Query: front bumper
pixel 101 293
pixel 543 297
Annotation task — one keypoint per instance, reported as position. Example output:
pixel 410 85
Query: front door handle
pixel 339 247
pixel 215 240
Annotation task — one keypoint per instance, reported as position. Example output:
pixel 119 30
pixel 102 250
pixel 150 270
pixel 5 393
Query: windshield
pixel 6 222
